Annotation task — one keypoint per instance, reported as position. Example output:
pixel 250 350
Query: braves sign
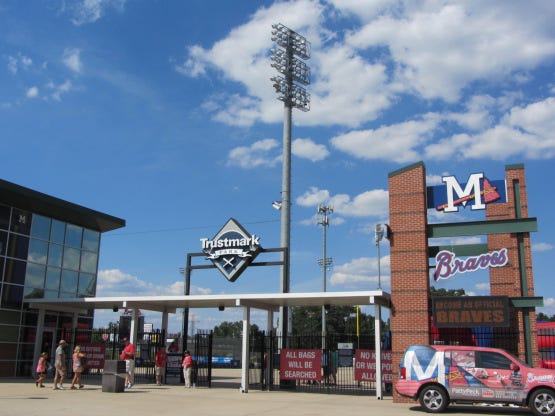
pixel 447 264
pixel 232 249
pixel 476 192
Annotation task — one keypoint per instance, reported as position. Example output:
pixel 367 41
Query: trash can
pixel 113 377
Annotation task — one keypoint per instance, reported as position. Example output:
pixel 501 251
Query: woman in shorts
pixel 78 367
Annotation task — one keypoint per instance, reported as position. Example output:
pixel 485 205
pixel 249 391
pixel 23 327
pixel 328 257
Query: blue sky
pixel 162 113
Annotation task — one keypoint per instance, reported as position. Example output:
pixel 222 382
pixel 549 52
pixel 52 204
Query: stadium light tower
pixel 288 61
pixel 324 262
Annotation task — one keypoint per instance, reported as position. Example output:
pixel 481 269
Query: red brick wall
pixel 506 281
pixel 409 261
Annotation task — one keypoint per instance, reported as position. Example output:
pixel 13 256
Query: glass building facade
pixel 48 250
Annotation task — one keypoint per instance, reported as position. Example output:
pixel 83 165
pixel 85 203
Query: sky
pixel 163 113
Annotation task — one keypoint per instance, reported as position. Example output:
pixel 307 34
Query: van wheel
pixel 542 402
pixel 433 399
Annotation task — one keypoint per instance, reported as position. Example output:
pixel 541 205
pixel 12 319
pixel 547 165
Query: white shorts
pixel 129 366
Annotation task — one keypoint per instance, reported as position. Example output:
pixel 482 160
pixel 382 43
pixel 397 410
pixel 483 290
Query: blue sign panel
pixel 476 193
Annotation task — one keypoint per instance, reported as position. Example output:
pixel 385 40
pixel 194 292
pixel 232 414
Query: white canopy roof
pixel 267 301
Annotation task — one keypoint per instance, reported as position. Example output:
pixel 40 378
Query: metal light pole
pixel 293 69
pixel 186 272
pixel 324 262
pixel 380 231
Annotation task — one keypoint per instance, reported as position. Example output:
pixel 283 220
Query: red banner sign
pixel 95 354
pixel 365 366
pixel 300 364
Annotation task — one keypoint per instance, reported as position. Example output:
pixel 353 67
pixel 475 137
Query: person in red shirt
pixel 128 354
pixel 187 368
pixel 160 364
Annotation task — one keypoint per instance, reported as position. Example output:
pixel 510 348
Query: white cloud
pixel 548 307
pixel 268 153
pixel 71 59
pixel 537 247
pixel 421 38
pixel 365 10
pixel 15 63
pixel 261 153
pixel 313 197
pixel 393 48
pixel 477 115
pixel 114 282
pixel 59 89
pixel 523 131
pixel 482 287
pixel 89 11
pixel 536 119
pixel 370 203
pixel 362 272
pixel 397 142
pixel 32 92
pixel 432 180
pixel 349 90
pixel 307 149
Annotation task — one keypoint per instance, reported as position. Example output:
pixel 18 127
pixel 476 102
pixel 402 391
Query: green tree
pixel 544 318
pixel 444 292
pixel 231 329
pixel 339 320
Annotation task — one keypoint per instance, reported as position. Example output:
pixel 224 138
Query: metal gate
pixel 107 344
pixel 202 359
pixel 337 366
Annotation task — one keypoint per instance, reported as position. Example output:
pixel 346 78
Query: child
pixel 41 369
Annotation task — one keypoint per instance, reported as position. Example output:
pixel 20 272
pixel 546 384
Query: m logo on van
pixel 424 364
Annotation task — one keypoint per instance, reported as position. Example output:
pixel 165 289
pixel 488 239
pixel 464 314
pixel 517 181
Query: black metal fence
pixel 337 377
pixel 506 338
pixel 107 345
pixel 337 367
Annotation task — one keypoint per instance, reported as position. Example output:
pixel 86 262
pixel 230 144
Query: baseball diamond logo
pixel 232 249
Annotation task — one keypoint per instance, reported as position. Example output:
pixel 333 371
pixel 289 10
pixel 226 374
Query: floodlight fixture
pixel 288 39
pixel 290 94
pixel 285 65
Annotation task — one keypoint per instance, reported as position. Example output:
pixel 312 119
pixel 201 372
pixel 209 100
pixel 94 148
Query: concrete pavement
pixel 21 398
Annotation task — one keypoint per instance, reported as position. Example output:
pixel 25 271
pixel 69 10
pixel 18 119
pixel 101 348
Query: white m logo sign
pixel 472 192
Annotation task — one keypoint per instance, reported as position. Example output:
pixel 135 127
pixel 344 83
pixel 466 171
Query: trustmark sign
pixel 476 193
pixel 232 249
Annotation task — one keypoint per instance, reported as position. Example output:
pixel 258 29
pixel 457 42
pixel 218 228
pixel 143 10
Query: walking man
pixel 60 365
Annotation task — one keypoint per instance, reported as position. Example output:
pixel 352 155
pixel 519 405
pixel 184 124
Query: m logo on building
pixel 232 249
pixel 476 193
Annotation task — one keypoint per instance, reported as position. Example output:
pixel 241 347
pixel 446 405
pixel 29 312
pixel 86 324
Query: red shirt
pixel 160 358
pixel 187 361
pixel 128 352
